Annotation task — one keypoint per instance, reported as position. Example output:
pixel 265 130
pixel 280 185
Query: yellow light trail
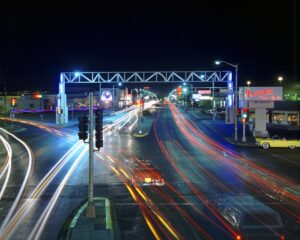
pixel 141 194
pixel 115 170
pixel 152 229
pixel 131 192
pixel 123 171
pixel 166 225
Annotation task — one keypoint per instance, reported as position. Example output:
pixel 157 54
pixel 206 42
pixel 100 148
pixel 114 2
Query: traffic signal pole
pixel 91 211
pixel 244 124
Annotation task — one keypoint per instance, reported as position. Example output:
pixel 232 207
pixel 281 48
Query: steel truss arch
pixel 147 77
pixel 135 77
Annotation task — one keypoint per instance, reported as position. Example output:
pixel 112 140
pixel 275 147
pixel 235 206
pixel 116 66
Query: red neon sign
pixel 255 93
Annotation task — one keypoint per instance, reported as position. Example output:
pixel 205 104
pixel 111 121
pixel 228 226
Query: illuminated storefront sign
pixel 206 91
pixel 106 96
pixel 261 93
pixel 198 97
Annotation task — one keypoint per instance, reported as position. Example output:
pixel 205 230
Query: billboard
pixel 260 93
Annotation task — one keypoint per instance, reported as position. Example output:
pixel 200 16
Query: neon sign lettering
pixel 262 92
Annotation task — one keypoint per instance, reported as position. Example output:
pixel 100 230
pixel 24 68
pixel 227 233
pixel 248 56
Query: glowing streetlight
pixel 280 79
pixel 248 83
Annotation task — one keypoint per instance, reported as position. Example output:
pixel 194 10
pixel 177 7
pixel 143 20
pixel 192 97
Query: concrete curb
pixel 108 217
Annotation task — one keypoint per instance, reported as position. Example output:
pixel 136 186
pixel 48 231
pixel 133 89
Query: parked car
pixel 277 141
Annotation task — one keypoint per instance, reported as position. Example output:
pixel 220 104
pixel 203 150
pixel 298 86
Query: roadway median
pixel 101 227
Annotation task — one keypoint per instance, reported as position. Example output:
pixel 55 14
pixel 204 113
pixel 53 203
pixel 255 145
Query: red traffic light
pixel 37 96
pixel 13 101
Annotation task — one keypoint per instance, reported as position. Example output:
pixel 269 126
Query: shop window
pixel 279 118
pixel 292 119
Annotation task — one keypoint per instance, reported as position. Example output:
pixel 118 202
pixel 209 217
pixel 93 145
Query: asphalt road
pixel 197 174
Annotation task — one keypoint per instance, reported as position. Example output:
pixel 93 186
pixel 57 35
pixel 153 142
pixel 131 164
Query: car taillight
pixel 282 237
pixel 238 237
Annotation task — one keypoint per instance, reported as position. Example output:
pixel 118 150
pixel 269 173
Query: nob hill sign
pixel 260 93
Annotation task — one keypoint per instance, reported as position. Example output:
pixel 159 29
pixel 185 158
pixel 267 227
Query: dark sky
pixel 38 41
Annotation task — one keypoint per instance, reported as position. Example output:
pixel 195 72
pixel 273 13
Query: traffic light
pixel 37 95
pixel 245 115
pixel 13 101
pixel 83 127
pixel 99 128
pixel 59 110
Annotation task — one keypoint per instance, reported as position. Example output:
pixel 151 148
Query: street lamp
pixel 248 83
pixel 236 66
pixel 280 79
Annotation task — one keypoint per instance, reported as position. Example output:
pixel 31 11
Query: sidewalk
pixel 224 131
pixel 146 126
pixel 99 228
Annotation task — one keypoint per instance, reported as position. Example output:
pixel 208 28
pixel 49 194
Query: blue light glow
pixel 229 100
pixel 119 84
pixel 230 77
pixel 76 74
pixel 202 76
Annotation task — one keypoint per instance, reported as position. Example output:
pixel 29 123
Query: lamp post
pixel 280 79
pixel 236 66
pixel 248 83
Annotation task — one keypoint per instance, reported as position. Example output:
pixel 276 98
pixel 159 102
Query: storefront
pixel 285 113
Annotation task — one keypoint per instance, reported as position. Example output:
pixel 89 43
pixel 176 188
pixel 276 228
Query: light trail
pixel 7 166
pixel 37 192
pixel 135 121
pixel 146 210
pixel 253 173
pixel 127 121
pixel 198 194
pixel 41 126
pixel 247 169
pixel 41 223
pixel 154 212
pixel 25 180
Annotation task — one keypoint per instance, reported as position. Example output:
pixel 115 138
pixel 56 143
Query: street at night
pixel 149 121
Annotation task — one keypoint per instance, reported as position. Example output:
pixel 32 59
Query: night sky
pixel 38 41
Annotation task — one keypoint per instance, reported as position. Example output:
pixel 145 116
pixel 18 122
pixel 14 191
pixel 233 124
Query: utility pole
pixel 91 211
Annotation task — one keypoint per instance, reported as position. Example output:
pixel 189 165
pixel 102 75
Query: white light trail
pixel 39 189
pixel 41 223
pixel 22 188
pixel 135 122
pixel 7 167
